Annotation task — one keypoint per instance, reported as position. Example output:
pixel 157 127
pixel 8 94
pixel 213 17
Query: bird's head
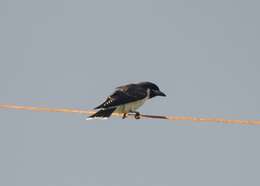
pixel 154 89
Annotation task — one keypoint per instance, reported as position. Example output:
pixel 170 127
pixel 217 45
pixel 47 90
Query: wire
pixel 170 118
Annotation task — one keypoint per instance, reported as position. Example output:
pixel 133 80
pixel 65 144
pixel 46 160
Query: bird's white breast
pixel 133 106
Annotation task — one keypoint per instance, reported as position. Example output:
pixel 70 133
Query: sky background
pixel 203 54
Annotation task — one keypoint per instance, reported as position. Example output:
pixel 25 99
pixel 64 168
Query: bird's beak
pixel 159 93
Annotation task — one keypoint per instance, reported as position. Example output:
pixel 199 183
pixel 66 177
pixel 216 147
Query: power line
pixel 170 118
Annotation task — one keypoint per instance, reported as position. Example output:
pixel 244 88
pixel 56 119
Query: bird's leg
pixel 137 114
pixel 124 115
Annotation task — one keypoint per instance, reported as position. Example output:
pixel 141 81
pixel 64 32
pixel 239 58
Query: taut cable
pixel 170 118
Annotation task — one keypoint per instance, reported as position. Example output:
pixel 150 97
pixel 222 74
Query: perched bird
pixel 127 99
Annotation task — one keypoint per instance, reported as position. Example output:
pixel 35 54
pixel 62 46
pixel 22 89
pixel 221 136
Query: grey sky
pixel 203 54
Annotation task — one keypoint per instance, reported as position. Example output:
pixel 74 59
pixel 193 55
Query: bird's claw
pixel 137 115
pixel 124 115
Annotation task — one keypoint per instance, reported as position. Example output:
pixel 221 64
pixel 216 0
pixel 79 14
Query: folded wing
pixel 123 95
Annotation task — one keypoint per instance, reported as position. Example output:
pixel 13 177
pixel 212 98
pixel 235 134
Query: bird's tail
pixel 103 113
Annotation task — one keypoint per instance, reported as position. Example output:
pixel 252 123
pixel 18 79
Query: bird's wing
pixel 123 95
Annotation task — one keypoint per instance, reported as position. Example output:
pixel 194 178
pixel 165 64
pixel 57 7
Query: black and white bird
pixel 127 99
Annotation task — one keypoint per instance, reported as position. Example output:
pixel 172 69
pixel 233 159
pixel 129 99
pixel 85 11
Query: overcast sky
pixel 57 53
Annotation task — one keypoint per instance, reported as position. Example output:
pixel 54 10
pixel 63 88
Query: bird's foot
pixel 137 115
pixel 124 115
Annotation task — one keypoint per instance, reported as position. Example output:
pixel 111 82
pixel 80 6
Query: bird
pixel 127 99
